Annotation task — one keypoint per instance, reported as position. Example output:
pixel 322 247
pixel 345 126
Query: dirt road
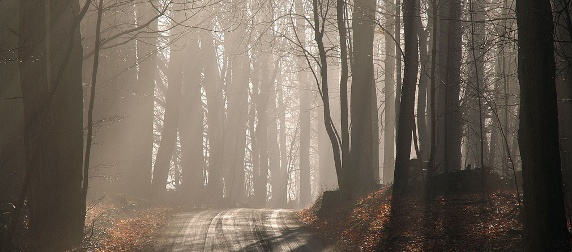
pixel 239 229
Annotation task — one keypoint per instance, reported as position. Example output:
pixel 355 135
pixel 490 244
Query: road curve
pixel 241 229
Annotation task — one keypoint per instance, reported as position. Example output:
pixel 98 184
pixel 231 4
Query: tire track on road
pixel 237 230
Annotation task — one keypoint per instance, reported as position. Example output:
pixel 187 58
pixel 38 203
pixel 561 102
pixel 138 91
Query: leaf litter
pixel 452 222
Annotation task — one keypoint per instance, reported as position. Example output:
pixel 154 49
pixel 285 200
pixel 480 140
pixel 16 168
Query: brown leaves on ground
pixel 458 222
pixel 110 227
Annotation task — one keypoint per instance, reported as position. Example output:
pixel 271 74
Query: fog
pixel 269 103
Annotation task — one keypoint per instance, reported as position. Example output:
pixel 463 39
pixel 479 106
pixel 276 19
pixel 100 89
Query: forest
pixel 285 125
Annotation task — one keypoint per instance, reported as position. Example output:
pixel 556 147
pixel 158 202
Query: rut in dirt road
pixel 237 230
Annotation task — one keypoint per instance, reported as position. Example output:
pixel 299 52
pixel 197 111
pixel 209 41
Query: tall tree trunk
pixel 113 110
pixel 142 105
pixel 305 120
pixel 449 125
pixel 563 18
pixel 305 106
pixel 126 96
pixel 326 167
pixel 237 114
pixel 215 117
pixel 273 143
pixel 266 83
pixel 191 125
pixel 389 118
pixel 51 80
pixel 495 144
pixel 407 119
pixel 431 167
pixel 170 121
pixel 424 61
pixel 398 63
pixel 344 116
pixel 253 128
pixel 12 156
pixel 476 85
pixel 362 79
pixel 323 85
pixel 282 187
pixel 544 217
pixel 325 161
pixel 95 68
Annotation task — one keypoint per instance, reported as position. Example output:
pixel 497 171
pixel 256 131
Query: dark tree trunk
pixel 170 122
pixel 431 167
pixel 344 75
pixel 398 63
pixel 362 151
pixel 323 85
pixel 448 114
pixel 564 91
pixel 407 119
pixel 544 216
pixel 51 82
pixel 476 85
pixel 12 157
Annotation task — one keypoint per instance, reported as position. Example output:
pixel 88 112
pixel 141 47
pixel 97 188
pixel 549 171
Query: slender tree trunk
pixel 324 87
pixel 398 63
pixel 389 118
pixel 305 106
pixel 544 217
pixel 276 176
pixel 253 128
pixel 424 61
pixel 305 110
pixel 282 188
pixel 431 167
pixel 344 120
pixel 407 119
pixel 89 137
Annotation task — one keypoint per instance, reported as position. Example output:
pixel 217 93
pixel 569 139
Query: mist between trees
pixel 268 103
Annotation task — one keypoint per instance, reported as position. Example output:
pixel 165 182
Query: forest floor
pixel 118 224
pixel 453 222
